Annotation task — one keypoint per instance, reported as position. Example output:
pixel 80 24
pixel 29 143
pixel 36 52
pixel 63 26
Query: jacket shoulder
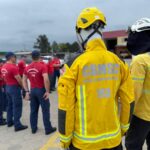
pixel 139 59
pixel 73 59
pixel 116 58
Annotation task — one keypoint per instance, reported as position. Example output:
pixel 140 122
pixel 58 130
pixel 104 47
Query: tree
pixel 74 47
pixel 67 47
pixel 42 44
pixel 63 47
pixel 55 46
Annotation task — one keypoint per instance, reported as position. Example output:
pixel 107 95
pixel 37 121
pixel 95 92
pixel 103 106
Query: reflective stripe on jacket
pixel 88 99
pixel 140 71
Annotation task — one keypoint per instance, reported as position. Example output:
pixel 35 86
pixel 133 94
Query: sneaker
pixel 21 128
pixel 3 122
pixel 10 124
pixel 34 130
pixel 51 131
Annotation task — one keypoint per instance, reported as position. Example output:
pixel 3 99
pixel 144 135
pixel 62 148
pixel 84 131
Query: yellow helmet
pixel 89 16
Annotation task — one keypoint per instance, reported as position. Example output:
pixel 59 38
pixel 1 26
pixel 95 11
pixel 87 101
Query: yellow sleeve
pixel 126 94
pixel 67 99
pixel 138 76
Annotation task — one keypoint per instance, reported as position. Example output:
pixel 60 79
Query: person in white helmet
pixel 139 44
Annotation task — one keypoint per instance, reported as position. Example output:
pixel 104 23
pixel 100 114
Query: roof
pixel 23 53
pixel 114 34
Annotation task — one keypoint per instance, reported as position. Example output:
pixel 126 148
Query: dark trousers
pixel 115 148
pixel 138 132
pixel 14 109
pixel 37 100
pixel 23 92
pixel 5 101
pixel 51 78
pixel 56 75
pixel 1 105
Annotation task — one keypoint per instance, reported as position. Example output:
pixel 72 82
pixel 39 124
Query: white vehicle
pixel 46 58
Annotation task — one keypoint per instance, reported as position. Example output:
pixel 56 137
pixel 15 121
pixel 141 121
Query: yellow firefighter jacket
pixel 140 71
pixel 88 99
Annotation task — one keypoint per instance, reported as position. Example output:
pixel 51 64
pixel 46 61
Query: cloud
pixel 21 21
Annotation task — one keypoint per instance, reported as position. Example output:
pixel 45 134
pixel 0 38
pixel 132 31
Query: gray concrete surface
pixel 24 140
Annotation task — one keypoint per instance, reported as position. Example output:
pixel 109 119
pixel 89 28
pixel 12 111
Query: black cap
pixel 9 55
pixel 35 54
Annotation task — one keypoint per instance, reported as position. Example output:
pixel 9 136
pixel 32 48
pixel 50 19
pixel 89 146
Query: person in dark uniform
pixel 13 82
pixel 37 73
pixel 50 73
pixel 22 66
pixel 56 65
pixel 2 120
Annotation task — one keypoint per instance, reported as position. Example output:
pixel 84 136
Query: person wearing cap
pixel 22 66
pixel 56 65
pixel 37 74
pixel 13 82
pixel 2 120
pixel 50 72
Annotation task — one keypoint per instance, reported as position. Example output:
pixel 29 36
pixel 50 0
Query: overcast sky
pixel 21 21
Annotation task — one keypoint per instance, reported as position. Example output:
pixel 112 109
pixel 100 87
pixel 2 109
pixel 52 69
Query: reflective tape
pixel 65 138
pixel 98 138
pixel 82 110
pixel 146 91
pixel 125 127
pixel 100 79
pixel 139 79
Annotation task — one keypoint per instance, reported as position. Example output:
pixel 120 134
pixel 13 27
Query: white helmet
pixel 141 25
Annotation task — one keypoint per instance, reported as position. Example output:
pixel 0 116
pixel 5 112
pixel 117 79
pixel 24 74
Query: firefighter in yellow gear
pixel 88 91
pixel 139 45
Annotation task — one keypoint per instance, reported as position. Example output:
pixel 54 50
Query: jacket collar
pixel 95 44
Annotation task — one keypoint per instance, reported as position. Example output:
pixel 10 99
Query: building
pixel 116 42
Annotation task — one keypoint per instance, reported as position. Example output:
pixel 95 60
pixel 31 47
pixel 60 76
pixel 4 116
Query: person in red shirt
pixel 37 74
pixel 13 82
pixel 56 65
pixel 2 120
pixel 50 72
pixel 22 65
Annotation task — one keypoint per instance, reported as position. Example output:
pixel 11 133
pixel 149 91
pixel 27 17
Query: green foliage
pixel 55 46
pixel 2 53
pixel 67 47
pixel 42 44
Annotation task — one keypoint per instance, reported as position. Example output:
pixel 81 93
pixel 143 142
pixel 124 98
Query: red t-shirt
pixel 57 62
pixel 34 73
pixel 21 66
pixel 1 78
pixel 50 67
pixel 9 71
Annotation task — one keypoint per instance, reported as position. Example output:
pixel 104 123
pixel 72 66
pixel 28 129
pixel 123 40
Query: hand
pixel 27 96
pixel 46 96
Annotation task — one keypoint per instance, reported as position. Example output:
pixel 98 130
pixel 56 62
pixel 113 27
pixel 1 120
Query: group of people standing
pixel 14 86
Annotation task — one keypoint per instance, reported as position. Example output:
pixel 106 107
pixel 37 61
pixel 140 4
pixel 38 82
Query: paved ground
pixel 24 140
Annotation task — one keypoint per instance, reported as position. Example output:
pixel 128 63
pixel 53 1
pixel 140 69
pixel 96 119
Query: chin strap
pixel 87 39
